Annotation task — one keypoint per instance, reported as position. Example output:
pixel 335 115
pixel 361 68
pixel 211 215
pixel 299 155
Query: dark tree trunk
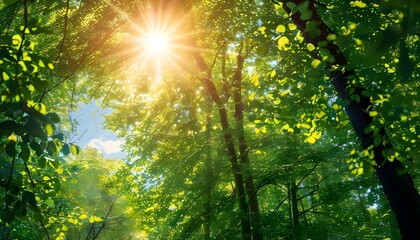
pixel 209 175
pixel 398 187
pixel 294 202
pixel 243 151
pixel 233 158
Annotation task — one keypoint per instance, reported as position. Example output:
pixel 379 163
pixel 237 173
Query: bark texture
pixel 399 188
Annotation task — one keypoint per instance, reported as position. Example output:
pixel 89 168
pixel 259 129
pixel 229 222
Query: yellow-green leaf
pixel 251 96
pixel 282 42
pixel 49 129
pixel 5 76
pixel 41 108
pixel 273 73
pixel 315 63
pixel 255 80
pixel 320 114
pixel 292 26
pixel 310 47
pixel 311 140
pixel 281 28
pixel 359 4
pixel 60 170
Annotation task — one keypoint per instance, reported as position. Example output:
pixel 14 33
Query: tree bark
pixel 294 202
pixel 233 158
pixel 164 8
pixel 398 187
pixel 209 175
pixel 243 151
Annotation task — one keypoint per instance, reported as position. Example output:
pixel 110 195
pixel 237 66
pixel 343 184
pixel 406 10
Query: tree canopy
pixel 247 119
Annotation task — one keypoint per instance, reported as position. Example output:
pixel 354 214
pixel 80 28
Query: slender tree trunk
pixel 165 7
pixel 289 201
pixel 303 212
pixel 398 187
pixel 209 175
pixel 233 158
pixel 294 202
pixel 243 151
pixel 363 209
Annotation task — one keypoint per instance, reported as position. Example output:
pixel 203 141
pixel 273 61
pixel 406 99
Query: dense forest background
pixel 246 119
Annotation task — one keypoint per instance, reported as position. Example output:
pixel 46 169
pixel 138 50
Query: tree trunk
pixel 398 187
pixel 233 158
pixel 294 202
pixel 243 151
pixel 209 175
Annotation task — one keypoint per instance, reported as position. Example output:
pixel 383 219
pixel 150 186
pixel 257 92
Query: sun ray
pixel 157 43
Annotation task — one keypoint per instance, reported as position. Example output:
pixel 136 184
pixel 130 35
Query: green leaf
pixel 37 148
pixel 74 149
pixel 52 148
pixel 9 199
pixel 49 202
pixel 66 149
pixel 41 108
pixel 405 67
pixel 291 6
pixel 59 136
pixel 8 127
pixel 39 84
pixel 7 215
pixel 29 198
pixel 19 209
pixel 42 162
pixel 305 13
pixel 34 126
pixel 5 40
pixel 25 152
pixel 377 141
pixel 313 29
pixel 53 117
pixel 49 129
pixel 37 212
pixel 54 163
pixel 315 63
pixel 11 149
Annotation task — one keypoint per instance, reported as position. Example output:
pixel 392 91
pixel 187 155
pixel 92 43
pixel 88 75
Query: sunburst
pixel 158 39
pixel 157 44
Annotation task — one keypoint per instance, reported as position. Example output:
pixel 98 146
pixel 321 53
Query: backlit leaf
pixel 281 28
pixel 311 140
pixel 315 63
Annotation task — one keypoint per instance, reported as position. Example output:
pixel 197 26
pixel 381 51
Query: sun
pixel 157 42
pixel 155 45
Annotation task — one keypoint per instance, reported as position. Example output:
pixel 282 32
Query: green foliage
pixel 30 142
pixel 312 178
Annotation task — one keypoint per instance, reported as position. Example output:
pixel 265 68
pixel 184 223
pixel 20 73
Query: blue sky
pixel 90 131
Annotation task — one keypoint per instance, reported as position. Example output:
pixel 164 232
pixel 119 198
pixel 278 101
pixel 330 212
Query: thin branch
pixel 217 54
pixel 106 217
pixel 308 173
pixel 66 19
pixel 328 215
pixel 280 203
pixel 315 205
pixel 30 177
